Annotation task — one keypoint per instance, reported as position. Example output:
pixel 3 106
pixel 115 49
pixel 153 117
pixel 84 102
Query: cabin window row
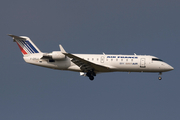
pixel 110 59
pixel 121 57
pixel 93 59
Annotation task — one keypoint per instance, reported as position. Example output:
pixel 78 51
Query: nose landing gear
pixel 160 78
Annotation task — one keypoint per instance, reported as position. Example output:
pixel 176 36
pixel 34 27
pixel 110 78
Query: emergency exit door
pixel 102 59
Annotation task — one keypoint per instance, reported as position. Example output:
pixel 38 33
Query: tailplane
pixel 25 44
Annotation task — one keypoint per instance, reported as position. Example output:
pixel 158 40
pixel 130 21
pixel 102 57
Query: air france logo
pixel 122 57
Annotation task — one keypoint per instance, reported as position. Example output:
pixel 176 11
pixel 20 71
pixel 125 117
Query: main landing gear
pixel 160 78
pixel 91 75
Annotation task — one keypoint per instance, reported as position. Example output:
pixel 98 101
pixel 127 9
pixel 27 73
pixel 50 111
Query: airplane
pixel 89 64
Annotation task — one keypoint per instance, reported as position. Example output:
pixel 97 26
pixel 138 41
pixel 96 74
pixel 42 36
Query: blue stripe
pixel 32 47
pixel 24 44
pixel 27 47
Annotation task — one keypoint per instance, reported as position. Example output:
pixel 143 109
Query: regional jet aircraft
pixel 89 64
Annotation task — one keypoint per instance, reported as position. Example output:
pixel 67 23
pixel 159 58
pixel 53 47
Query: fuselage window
pixel 111 59
pixel 126 59
pixel 97 59
pixel 131 59
pixel 88 59
pixel 92 59
pixel 121 59
pixel 116 59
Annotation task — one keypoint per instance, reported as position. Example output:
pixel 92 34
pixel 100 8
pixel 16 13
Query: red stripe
pixel 22 50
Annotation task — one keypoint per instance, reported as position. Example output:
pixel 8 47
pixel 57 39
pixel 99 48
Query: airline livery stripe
pixel 22 50
pixel 25 47
pixel 28 46
pixel 32 46
pixel 22 46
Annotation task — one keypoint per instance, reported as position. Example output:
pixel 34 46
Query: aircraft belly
pixel 74 68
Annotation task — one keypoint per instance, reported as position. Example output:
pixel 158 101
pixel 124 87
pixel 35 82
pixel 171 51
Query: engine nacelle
pixel 57 55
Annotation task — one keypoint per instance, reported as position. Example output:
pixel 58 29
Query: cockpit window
pixel 156 59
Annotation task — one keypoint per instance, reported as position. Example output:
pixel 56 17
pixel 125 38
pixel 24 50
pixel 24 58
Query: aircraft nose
pixel 169 68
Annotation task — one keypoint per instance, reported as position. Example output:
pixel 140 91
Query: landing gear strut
pixel 91 75
pixel 160 78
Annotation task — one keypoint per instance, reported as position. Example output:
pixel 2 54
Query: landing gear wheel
pixel 160 73
pixel 160 78
pixel 91 78
pixel 91 74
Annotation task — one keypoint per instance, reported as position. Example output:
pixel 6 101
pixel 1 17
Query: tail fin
pixel 25 44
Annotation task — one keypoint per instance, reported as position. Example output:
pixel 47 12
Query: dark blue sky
pixel 29 92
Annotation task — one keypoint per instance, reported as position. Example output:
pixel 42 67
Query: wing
pixel 85 65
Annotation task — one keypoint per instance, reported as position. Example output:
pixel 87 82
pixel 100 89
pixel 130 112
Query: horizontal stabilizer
pixel 16 37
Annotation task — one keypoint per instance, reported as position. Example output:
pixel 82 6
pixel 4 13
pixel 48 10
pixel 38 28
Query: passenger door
pixel 143 63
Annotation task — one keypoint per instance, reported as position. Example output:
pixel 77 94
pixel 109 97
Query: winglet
pixel 62 49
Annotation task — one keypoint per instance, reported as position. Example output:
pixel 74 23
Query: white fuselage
pixel 126 63
pixel 88 64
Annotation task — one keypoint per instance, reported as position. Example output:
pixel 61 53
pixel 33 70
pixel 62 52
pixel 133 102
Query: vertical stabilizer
pixel 25 44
